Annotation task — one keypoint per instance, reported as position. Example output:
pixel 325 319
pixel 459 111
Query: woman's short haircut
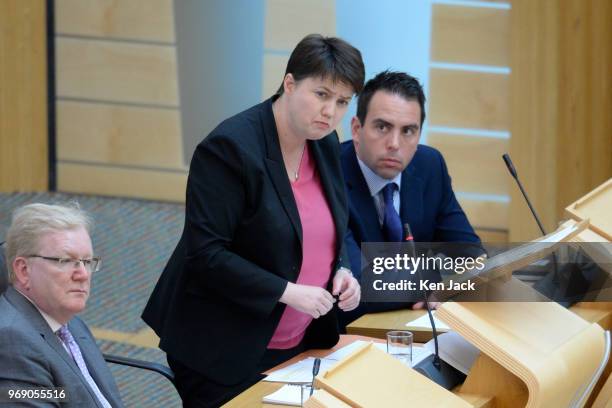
pixel 326 57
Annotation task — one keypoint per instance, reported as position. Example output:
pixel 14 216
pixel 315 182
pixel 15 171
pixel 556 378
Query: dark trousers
pixel 198 391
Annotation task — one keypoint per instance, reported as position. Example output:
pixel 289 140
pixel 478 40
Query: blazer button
pixel 294 268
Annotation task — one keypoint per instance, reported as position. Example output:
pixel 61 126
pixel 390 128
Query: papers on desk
pixel 288 394
pixel 346 350
pixel 301 372
pixel 423 323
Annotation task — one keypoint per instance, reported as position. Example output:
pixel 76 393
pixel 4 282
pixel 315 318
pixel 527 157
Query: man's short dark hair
pixel 326 57
pixel 399 83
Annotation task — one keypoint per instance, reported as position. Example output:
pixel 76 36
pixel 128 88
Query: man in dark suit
pixel 391 180
pixel 42 344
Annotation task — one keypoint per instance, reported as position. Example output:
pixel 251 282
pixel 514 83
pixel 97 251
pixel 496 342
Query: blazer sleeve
pixel 215 205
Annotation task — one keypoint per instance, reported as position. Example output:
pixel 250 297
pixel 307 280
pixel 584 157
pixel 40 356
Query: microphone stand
pixel 433 367
pixel 514 175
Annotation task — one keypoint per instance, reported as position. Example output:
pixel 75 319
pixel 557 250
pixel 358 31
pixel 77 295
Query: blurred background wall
pixel 130 87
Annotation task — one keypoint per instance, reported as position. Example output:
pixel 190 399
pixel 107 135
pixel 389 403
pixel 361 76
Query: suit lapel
pixel 33 316
pixel 276 168
pixel 361 199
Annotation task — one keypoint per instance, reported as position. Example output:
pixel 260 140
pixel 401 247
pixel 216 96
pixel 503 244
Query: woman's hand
pixel 348 288
pixel 421 305
pixel 311 300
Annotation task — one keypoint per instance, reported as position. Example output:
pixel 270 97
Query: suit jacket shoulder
pixel 33 356
pixel 427 203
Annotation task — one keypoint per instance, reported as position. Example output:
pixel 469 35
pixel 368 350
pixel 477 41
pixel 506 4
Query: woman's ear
pixel 289 83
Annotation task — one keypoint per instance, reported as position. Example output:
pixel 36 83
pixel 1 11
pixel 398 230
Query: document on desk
pixel 301 372
pixel 288 394
pixel 423 323
pixel 419 353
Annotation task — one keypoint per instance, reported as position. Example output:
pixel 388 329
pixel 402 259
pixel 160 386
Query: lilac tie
pixel 66 337
pixel 392 224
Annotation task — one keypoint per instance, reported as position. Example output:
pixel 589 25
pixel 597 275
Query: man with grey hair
pixel 43 345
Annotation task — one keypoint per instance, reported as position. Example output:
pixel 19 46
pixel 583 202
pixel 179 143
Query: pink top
pixel 318 250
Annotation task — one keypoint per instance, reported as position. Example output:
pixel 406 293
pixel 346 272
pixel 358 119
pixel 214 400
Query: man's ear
pixel 21 270
pixel 355 129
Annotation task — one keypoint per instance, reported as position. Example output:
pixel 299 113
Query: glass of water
pixel 399 345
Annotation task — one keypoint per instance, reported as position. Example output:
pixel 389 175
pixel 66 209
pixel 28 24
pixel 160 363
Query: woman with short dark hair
pixel 259 271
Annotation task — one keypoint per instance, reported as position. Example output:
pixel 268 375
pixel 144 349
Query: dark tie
pixel 392 224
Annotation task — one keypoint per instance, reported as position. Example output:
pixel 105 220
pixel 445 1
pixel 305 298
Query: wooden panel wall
pixel 150 20
pixel 286 23
pixel 560 105
pixel 475 35
pixel 468 118
pixel 470 158
pixel 118 111
pixel 585 98
pixel 465 99
pixel 116 71
pixel 23 96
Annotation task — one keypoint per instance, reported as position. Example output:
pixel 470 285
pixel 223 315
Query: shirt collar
pixel 374 181
pixel 53 324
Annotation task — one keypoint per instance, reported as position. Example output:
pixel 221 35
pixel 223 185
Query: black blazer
pixel 216 307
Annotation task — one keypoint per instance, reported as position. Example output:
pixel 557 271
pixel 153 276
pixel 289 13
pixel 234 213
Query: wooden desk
pixel 253 396
pixel 378 324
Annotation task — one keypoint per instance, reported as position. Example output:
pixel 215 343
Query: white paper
pixel 346 350
pixel 288 394
pixel 300 372
pixel 418 352
pixel 424 323
pixel 455 350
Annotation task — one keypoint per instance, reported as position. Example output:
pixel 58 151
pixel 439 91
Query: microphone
pixel 409 239
pixel 434 368
pixel 315 370
pixel 512 171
